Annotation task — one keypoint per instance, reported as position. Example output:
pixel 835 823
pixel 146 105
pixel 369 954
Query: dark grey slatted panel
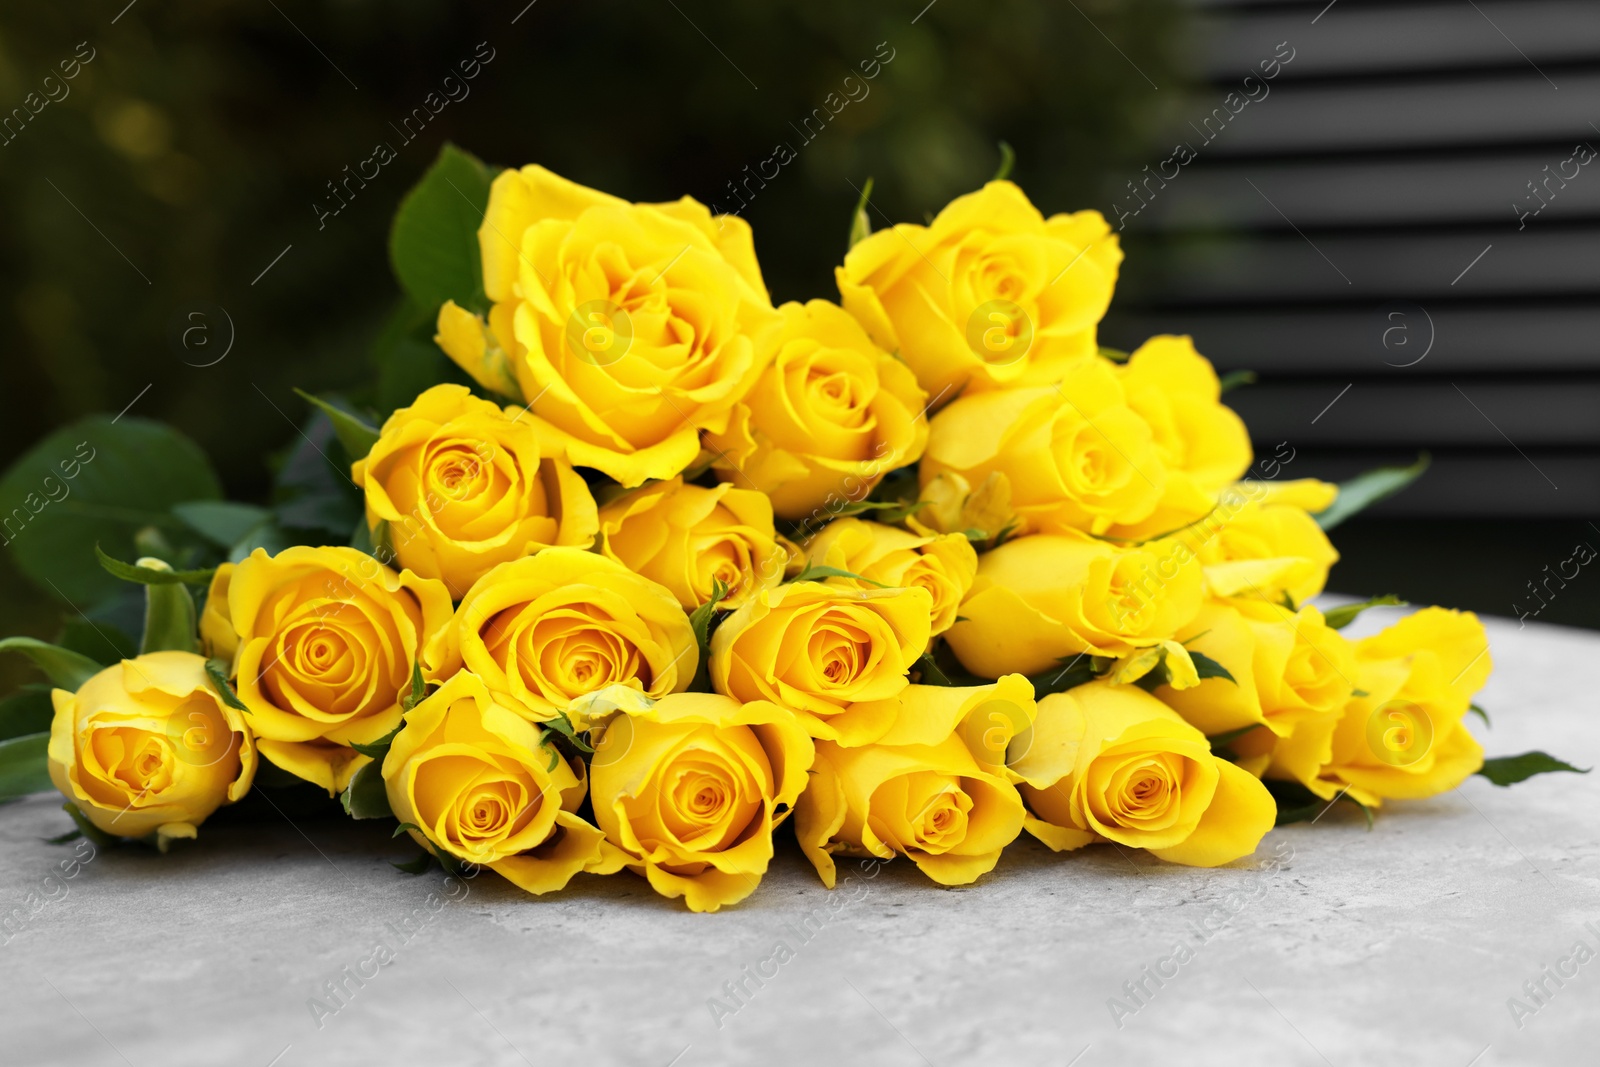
pixel 1501 484
pixel 1393 148
pixel 1366 192
pixel 1424 414
pixel 1287 267
pixel 1350 341
pixel 1514 107
pixel 1351 39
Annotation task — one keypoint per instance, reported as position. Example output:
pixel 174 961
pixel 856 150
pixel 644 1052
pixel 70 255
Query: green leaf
pixel 222 522
pixel 98 637
pixel 365 796
pixel 169 615
pixel 1074 671
pixel 27 711
pixel 1235 378
pixel 419 689
pixel 87 828
pixel 1509 770
pixel 931 674
pixel 355 434
pixel 1223 740
pixel 404 828
pixel 134 572
pixel 379 748
pixel 66 669
pixel 23 766
pixel 1345 614
pixel 1296 803
pixel 217 671
pixel 1480 713
pixel 433 244
pixel 860 221
pixel 816 573
pixel 1367 489
pixel 1008 160
pixel 1206 667
pixel 419 865
pixel 97 481
pixel 267 535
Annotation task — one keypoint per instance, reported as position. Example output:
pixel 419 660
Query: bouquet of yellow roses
pixel 643 567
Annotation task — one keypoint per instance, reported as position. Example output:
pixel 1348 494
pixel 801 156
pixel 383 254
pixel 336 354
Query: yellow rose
pixel 1201 443
pixel 948 503
pixel 1075 456
pixel 1262 543
pixel 471 779
pixel 1112 763
pixel 147 746
pixel 626 328
pixel 828 418
pixel 217 639
pixel 544 630
pixel 692 786
pixel 818 649
pixel 987 719
pixel 326 642
pixel 931 803
pixel 1406 736
pixel 463 486
pixel 943 564
pixel 992 294
pixel 1043 599
pixel 687 538
pixel 1290 671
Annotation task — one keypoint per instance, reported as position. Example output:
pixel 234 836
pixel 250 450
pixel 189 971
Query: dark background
pixel 193 146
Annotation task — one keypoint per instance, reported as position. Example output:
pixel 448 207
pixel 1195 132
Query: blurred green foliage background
pixel 189 151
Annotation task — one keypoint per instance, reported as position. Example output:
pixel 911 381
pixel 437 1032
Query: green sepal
pixel 356 435
pixel 1367 489
pixel 1509 770
pixel 419 690
pixel 818 572
pixel 1345 614
pixel 1206 667
pixel 379 748
pixel 217 672
pixel 365 796
pixel 1235 378
pixel 62 839
pixel 1008 160
pixel 860 221
pixel 25 766
pixel 700 621
pixel 133 572
pixel 1480 713
pixel 562 727
pixel 65 668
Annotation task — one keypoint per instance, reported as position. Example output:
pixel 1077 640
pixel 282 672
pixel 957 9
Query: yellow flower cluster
pixel 654 597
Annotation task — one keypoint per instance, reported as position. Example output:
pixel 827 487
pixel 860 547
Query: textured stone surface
pixel 1395 946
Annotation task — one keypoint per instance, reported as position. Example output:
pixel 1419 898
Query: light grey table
pixel 1397 946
